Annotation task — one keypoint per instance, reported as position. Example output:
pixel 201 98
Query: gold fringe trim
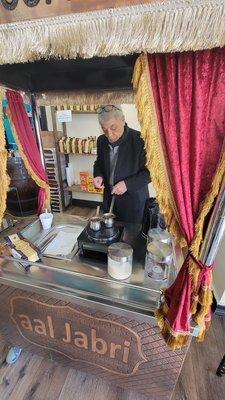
pixel 4 178
pixel 201 307
pixel 205 295
pixel 201 336
pixel 158 26
pixel 83 97
pixel 42 184
pixel 194 304
pixel 174 340
pixel 154 155
pixel 206 205
pixel 205 301
pixel 199 310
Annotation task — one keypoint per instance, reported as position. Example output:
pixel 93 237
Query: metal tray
pixel 67 230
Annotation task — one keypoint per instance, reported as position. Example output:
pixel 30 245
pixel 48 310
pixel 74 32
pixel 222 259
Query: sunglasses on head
pixel 107 108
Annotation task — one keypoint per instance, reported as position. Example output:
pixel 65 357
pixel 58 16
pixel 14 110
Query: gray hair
pixel 106 115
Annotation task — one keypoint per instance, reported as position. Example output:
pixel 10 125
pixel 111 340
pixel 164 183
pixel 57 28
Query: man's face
pixel 113 129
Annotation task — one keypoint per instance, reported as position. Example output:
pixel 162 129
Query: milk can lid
pixel 120 251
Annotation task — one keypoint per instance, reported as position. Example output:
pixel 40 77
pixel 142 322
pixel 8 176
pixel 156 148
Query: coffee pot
pixel 152 218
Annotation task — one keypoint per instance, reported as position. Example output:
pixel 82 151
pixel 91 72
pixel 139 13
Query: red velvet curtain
pixel 26 139
pixel 189 96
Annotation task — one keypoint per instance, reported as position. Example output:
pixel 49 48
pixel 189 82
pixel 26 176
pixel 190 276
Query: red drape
pixel 189 96
pixel 27 140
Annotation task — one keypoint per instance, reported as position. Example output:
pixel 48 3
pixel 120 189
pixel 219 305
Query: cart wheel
pixel 221 369
pixel 13 355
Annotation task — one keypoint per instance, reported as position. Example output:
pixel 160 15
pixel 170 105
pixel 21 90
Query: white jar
pixel 120 258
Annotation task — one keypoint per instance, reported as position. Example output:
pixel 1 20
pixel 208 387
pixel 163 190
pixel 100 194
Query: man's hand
pixel 120 188
pixel 98 182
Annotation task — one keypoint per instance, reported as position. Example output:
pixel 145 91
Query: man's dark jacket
pixel 131 168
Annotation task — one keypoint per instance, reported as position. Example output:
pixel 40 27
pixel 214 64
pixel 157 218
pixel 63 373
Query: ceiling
pixel 110 73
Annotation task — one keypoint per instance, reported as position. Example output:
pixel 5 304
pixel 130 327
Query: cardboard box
pixel 50 139
pixel 83 180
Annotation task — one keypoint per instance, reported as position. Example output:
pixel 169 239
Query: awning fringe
pixel 159 26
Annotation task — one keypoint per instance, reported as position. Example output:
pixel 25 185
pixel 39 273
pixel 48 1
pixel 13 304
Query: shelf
pixel 77 189
pixel 84 112
pixel 78 154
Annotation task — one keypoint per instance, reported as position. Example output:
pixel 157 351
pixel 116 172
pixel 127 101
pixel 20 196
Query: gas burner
pixel 104 235
pixel 93 244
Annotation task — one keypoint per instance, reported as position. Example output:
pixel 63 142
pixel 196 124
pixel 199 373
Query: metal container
pixel 108 219
pixel 95 223
pixel 158 260
pixel 160 235
pixel 120 258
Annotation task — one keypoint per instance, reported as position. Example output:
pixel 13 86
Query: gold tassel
pixel 154 155
pixel 201 336
pixel 207 204
pixel 194 304
pixel 205 296
pixel 4 178
pixel 201 303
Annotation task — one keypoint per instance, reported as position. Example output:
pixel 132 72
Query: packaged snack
pixel 67 145
pixel 73 145
pixel 90 185
pixel 86 146
pixel 83 180
pixel 80 151
pixel 22 248
pixel 61 144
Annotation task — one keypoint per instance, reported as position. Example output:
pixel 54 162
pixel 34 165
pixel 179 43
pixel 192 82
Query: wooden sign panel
pixel 128 353
pixel 20 10
pixel 78 336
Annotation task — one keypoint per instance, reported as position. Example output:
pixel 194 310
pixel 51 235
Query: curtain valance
pixel 159 26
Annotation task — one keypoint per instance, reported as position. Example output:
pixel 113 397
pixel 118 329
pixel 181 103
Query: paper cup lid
pixel 120 251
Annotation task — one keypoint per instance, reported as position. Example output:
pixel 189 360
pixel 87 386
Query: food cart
pixel 68 308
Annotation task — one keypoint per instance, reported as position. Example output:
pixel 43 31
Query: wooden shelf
pixel 84 112
pixel 78 154
pixel 77 189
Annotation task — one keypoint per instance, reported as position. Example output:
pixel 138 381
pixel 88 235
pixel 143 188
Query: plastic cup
pixel 46 220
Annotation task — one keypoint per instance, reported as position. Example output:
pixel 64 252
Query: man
pixel 120 166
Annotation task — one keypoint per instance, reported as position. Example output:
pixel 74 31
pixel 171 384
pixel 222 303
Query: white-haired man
pixel 120 166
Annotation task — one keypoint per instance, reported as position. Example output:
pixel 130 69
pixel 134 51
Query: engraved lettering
pixel 81 341
pixel 67 338
pixel 50 327
pixel 113 349
pixel 40 327
pixel 26 322
pixel 78 335
pixel 126 351
pixel 99 341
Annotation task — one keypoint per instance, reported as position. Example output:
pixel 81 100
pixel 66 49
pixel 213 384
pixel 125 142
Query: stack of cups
pixel 46 220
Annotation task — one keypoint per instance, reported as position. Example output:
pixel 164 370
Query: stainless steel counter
pixel 86 280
